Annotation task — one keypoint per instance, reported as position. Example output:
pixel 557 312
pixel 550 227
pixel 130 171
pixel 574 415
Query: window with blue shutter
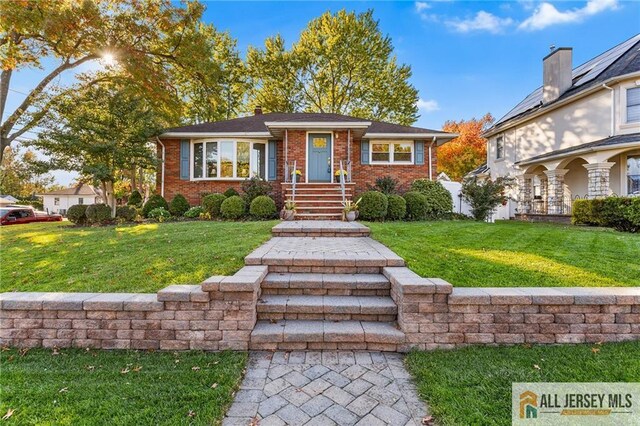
pixel 364 151
pixel 184 159
pixel 273 160
pixel 419 154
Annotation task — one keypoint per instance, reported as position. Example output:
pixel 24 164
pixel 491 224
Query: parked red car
pixel 15 215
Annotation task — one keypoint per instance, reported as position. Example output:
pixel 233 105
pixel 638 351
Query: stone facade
pixel 555 191
pixel 598 179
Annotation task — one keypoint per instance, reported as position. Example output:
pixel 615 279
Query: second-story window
pixel 56 201
pixel 499 147
pixel 633 105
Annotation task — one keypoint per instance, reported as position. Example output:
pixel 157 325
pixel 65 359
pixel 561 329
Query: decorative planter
pixel 288 215
pixel 351 216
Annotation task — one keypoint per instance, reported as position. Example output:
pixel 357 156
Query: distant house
pixel 5 200
pixel 576 136
pixel 60 201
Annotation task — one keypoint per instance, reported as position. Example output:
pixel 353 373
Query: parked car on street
pixel 15 215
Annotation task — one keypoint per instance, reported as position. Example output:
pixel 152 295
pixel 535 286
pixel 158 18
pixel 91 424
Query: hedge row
pixel 621 213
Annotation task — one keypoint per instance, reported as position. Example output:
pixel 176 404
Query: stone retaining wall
pixel 433 314
pixel 218 314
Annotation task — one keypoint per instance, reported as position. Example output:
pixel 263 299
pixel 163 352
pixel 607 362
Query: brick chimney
pixel 257 110
pixel 556 73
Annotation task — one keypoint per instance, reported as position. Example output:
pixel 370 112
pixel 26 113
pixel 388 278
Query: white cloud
pixel 546 14
pixel 427 105
pixel 482 21
pixel 422 6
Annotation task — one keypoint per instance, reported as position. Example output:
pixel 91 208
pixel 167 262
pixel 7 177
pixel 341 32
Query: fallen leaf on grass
pixel 428 421
pixel 24 351
pixel 595 350
pixel 213 386
pixel 63 390
pixel 536 366
pixel 137 369
pixel 124 370
pixel 9 414
pixel 195 368
pixel 191 413
pixel 90 367
pixel 55 351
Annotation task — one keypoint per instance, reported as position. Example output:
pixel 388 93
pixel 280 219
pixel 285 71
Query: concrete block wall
pixel 433 314
pixel 218 314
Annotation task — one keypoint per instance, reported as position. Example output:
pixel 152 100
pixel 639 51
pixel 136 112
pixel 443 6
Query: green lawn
pixel 515 254
pixel 128 258
pixel 118 387
pixel 472 386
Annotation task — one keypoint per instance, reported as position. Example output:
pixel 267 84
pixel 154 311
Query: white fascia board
pixel 318 125
pixel 410 135
pixel 216 135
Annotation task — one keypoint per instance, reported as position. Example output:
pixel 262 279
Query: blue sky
pixel 468 58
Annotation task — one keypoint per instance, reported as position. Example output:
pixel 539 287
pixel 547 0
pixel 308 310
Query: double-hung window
pixel 56 201
pixel 391 152
pixel 633 175
pixel 228 160
pixel 633 105
pixel 499 147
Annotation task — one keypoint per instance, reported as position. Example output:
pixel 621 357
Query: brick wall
pixel 362 175
pixel 433 314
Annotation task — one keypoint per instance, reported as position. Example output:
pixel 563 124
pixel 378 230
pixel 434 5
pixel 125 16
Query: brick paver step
pixel 300 331
pixel 326 281
pixel 303 304
pixel 320 228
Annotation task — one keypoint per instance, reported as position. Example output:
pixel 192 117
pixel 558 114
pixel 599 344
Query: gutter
pixel 578 151
pixel 551 107
pixel 410 135
pixel 162 169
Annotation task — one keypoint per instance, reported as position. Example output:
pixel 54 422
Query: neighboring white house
pixel 60 201
pixel 6 200
pixel 577 136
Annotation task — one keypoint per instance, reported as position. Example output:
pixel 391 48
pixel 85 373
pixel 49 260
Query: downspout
pixel 613 123
pixel 430 159
pixel 162 169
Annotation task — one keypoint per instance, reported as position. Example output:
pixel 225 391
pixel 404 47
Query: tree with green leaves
pixel 159 48
pixel 98 132
pixel 341 64
pixel 20 177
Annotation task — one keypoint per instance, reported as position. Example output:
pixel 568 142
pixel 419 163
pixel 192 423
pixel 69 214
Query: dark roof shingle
pixel 610 141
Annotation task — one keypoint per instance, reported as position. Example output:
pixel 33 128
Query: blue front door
pixel 319 149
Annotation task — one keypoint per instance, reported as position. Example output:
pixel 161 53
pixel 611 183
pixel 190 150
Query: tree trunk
pixel 109 197
pixel 133 179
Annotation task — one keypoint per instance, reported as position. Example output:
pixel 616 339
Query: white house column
pixel 598 178
pixel 555 190
pixel 525 196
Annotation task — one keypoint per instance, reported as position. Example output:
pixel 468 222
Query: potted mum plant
pixel 297 174
pixel 350 210
pixel 289 210
pixel 338 173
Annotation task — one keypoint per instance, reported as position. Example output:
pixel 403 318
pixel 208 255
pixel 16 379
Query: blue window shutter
pixel 184 159
pixel 364 151
pixel 418 156
pixel 273 160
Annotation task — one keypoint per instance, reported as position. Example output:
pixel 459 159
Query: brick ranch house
pixel 212 157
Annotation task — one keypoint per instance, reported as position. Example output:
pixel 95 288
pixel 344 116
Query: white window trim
pixel 391 161
pixel 623 101
pixel 192 153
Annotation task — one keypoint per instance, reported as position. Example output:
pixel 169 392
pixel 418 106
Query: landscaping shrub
pixel 439 201
pixel 233 207
pixel 179 205
pixel 416 205
pixel 620 213
pixel 397 207
pixel 126 213
pixel 36 204
pixel 484 196
pixel 135 199
pixel 98 213
pixel 255 187
pixel 373 205
pixel 386 184
pixel 77 214
pixel 263 207
pixel 154 202
pixel 230 192
pixel 160 214
pixel 194 212
pixel 211 204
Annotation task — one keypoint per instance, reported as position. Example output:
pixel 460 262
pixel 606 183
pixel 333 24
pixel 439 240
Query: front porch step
pixel 317 335
pixel 287 283
pixel 318 216
pixel 359 308
pixel 321 228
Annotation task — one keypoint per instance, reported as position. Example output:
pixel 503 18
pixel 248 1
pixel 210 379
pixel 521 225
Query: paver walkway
pixel 326 388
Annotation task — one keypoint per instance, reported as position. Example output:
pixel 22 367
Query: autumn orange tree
pixel 467 151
